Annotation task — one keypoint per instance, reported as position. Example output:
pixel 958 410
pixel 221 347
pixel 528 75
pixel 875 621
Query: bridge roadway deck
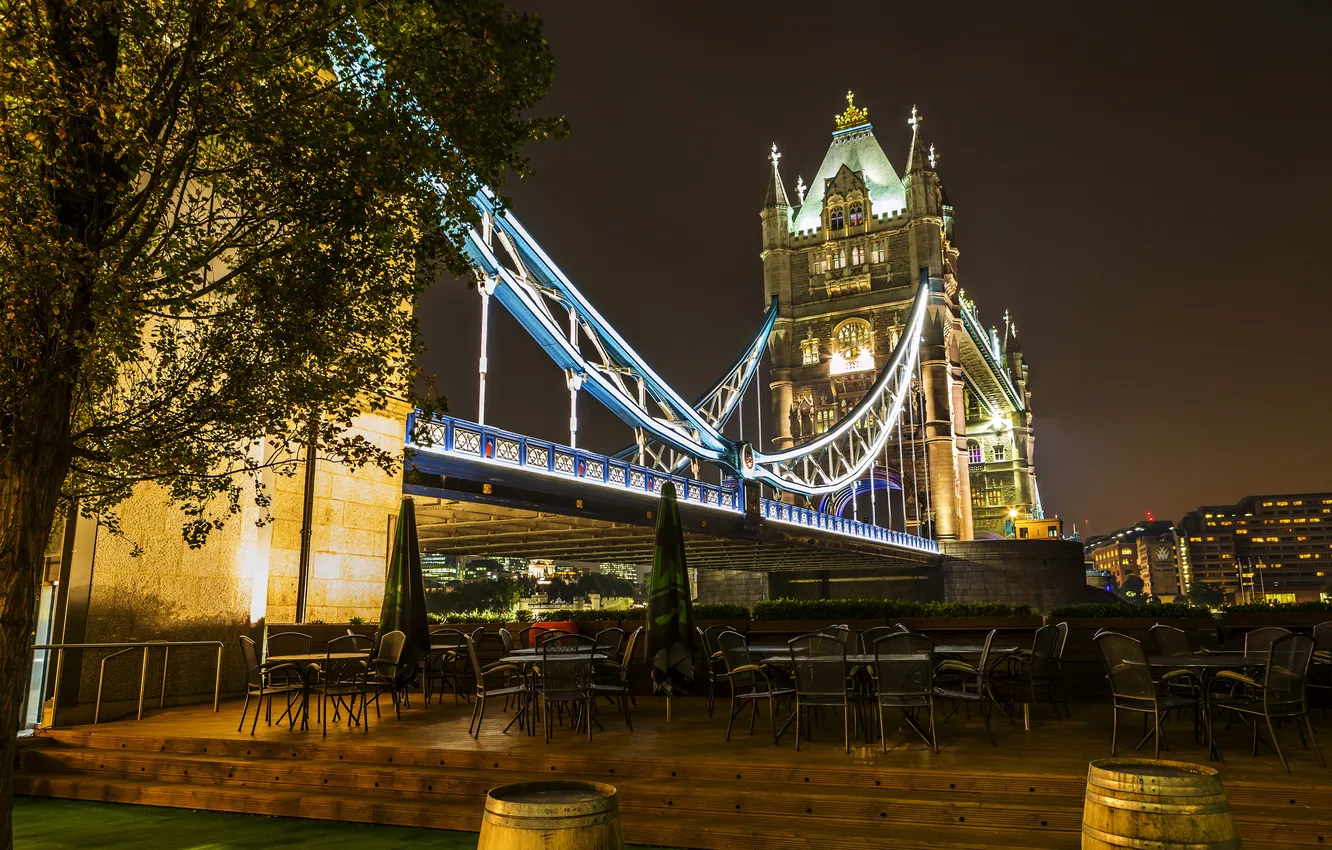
pixel 493 515
pixel 681 784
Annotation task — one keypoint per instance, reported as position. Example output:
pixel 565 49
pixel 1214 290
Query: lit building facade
pixel 844 261
pixel 1277 548
pixel 1149 550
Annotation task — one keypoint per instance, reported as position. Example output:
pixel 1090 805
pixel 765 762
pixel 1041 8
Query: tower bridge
pixel 898 426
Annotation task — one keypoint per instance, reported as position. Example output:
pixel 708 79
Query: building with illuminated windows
pixel 844 259
pixel 1149 550
pixel 1277 548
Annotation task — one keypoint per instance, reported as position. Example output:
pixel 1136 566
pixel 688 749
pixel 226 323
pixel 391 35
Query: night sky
pixel 1145 189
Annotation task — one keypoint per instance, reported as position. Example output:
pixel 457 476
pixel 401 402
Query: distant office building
pixel 1277 548
pixel 1148 550
pixel 625 572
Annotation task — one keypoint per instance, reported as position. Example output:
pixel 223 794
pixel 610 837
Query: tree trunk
pixel 32 472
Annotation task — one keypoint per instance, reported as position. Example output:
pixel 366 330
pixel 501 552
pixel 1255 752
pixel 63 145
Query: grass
pixel 41 823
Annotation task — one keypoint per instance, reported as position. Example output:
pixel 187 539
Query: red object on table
pixel 562 626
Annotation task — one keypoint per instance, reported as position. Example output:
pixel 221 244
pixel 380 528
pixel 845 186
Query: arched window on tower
pixel 854 347
pixel 835 218
pixel 856 214
pixel 974 452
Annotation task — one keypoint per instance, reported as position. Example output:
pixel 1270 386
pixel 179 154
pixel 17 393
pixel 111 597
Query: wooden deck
pixel 681 784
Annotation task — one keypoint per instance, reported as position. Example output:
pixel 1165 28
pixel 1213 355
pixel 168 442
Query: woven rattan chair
pixel 1171 641
pixel 750 683
pixel 507 674
pixel 616 688
pixel 716 664
pixel 263 679
pixel 345 681
pixel 818 662
pixel 445 664
pixel 906 684
pixel 384 669
pixel 566 678
pixel 1279 694
pixel 1134 688
pixel 964 683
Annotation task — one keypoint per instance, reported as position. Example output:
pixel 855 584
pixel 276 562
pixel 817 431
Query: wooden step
pixel 704 833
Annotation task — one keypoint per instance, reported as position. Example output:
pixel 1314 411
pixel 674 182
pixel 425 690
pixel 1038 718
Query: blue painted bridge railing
pixel 449 436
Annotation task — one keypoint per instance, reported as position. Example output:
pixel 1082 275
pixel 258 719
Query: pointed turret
pixel 918 160
pixel 924 193
pixel 776 194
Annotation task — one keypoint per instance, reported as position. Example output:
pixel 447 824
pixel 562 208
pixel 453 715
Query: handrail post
pixel 55 691
pixel 217 683
pixel 143 679
pixel 166 654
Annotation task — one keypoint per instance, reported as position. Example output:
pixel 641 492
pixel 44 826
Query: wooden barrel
pixel 1156 805
pixel 552 816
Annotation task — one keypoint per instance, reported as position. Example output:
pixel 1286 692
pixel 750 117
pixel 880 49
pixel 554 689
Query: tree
pixel 1203 594
pixel 216 216
pixel 1132 586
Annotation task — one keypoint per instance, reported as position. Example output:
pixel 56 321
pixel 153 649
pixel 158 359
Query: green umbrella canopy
pixel 670 639
pixel 404 606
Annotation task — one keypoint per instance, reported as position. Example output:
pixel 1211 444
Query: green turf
pixel 41 823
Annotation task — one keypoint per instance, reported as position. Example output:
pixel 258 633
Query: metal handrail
pixel 166 646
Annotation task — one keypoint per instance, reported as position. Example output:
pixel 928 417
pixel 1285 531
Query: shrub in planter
pixel 720 611
pixel 1112 610
pixel 880 609
pixel 585 615
pixel 1263 607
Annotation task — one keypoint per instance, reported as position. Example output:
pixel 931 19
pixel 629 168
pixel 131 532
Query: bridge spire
pixel 919 159
pixel 776 194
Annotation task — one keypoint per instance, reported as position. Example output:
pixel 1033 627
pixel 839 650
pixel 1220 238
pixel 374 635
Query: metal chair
pixel 1036 670
pixel 616 689
pixel 818 662
pixel 609 642
pixel 566 678
pixel 1133 687
pixel 485 692
pixel 716 664
pixel 445 664
pixel 261 682
pixel 1170 640
pixel 344 680
pixel 906 684
pixel 965 683
pixel 1259 641
pixel 1059 664
pixel 869 636
pixel 384 669
pixel 1320 670
pixel 1279 694
pixel 750 683
pixel 289 643
pixel 506 641
pixel 840 631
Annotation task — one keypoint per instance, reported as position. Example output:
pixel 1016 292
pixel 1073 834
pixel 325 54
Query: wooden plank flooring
pixel 680 783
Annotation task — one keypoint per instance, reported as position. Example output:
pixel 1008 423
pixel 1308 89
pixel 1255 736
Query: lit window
pixel 855 346
pixel 856 214
pixel 994 497
pixel 824 419
pixel 835 221
pixel 877 254
pixel 978 498
pixel 857 255
pixel 974 451
pixel 839 259
pixel 809 350
pixel 818 263
pixel 1000 451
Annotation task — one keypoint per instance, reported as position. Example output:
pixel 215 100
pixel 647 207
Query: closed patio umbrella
pixel 670 639
pixel 404 606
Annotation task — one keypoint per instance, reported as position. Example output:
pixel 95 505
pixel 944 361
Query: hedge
pixel 880 609
pixel 720 611
pixel 1247 607
pixel 1107 610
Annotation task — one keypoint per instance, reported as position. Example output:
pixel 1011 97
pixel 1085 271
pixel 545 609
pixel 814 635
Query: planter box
pixel 1287 619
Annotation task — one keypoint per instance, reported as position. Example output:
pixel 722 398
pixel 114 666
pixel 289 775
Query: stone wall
pixel 1040 573
pixel 741 587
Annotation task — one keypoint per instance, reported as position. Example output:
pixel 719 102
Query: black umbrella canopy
pixel 670 639
pixel 404 606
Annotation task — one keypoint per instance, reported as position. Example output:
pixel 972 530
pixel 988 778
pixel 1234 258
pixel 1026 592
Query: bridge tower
pixel 845 257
